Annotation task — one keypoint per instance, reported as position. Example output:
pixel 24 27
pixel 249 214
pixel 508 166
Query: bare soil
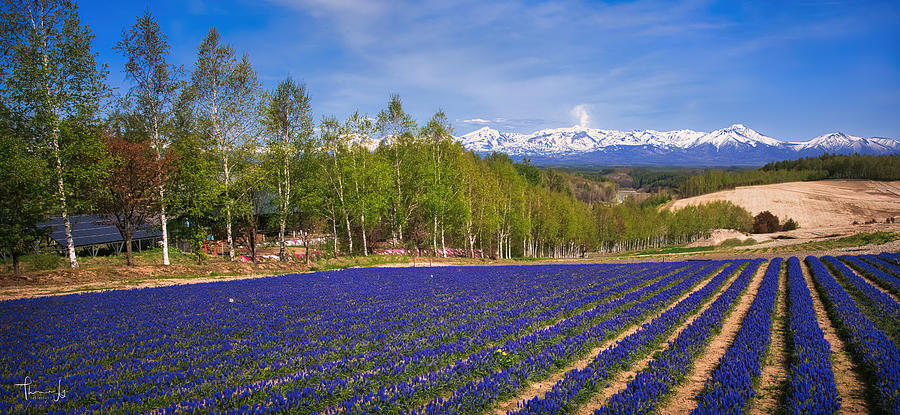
pixel 818 204
pixel 684 397
pixel 619 381
pixel 773 380
pixel 850 384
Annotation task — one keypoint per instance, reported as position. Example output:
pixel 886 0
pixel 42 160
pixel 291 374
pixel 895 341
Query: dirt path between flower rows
pixel 850 385
pixel 684 397
pixel 773 381
pixel 619 382
pixel 540 388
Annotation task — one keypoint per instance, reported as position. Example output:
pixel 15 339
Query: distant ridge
pixel 734 145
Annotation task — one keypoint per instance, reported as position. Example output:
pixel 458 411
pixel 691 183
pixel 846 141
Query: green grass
pixel 678 249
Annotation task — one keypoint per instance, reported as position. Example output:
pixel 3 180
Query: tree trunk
pixel 128 256
pixel 285 202
pixel 334 234
pixel 15 261
pixel 70 243
pixel 349 234
pixel 434 237
pixel 228 213
pixel 362 224
pixel 306 244
pixel 281 238
pixel 443 244
pixel 162 190
pixel 228 233
pixel 165 232
pixel 253 243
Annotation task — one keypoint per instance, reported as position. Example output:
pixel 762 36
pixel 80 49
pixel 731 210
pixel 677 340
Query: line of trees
pixel 826 166
pixel 208 151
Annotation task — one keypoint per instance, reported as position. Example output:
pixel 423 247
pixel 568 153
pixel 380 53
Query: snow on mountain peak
pixel 572 141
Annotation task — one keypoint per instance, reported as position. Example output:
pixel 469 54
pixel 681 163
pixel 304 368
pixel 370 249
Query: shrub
pixel 765 222
pixel 790 225
pixel 43 262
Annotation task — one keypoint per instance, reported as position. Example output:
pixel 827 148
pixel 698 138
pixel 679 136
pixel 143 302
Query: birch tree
pixel 51 77
pixel 397 131
pixel 366 174
pixel 335 149
pixel 227 90
pixel 151 97
pixel 287 117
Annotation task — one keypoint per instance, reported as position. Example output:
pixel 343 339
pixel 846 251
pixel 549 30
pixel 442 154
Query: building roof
pixel 93 230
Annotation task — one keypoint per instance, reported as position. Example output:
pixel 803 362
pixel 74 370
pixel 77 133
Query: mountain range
pixel 736 145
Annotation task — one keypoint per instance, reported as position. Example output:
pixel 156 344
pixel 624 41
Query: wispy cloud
pixel 639 64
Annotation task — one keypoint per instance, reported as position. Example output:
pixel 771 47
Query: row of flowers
pixel 885 307
pixel 812 390
pixel 152 348
pixel 543 350
pixel 365 375
pixel 879 353
pixel 871 266
pixel 730 387
pixel 579 383
pixel 654 382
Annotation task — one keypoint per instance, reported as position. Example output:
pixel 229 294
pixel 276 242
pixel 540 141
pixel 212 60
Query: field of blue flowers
pixel 451 340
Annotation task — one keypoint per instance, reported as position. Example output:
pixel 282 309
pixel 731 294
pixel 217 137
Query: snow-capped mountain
pixel 734 145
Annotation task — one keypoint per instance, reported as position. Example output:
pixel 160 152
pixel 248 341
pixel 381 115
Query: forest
pixel 207 151
pixel 826 166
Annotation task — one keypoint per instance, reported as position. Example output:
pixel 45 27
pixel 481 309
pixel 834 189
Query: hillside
pixel 819 204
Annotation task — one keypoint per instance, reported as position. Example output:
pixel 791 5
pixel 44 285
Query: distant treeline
pixel 631 225
pixel 826 166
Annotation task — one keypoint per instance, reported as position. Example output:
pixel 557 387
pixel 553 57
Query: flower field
pixel 461 340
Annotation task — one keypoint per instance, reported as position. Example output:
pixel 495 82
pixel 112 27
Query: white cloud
pixel 580 113
pixel 477 121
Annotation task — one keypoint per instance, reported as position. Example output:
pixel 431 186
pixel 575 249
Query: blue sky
pixel 790 70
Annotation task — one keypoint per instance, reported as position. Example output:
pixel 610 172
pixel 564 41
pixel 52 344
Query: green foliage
pixel 24 196
pixel 873 238
pixel 197 237
pixel 826 166
pixel 789 225
pixel 715 180
pixel 53 86
pixel 835 166
pixel 733 242
pixel 45 262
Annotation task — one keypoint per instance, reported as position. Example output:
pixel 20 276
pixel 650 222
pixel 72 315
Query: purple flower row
pixel 812 390
pixel 730 387
pixel 879 353
pixel 579 383
pixel 652 383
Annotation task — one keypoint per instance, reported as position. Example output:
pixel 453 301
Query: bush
pixel 44 262
pixel 790 225
pixel 765 222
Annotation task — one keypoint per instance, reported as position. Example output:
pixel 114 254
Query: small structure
pixel 92 232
